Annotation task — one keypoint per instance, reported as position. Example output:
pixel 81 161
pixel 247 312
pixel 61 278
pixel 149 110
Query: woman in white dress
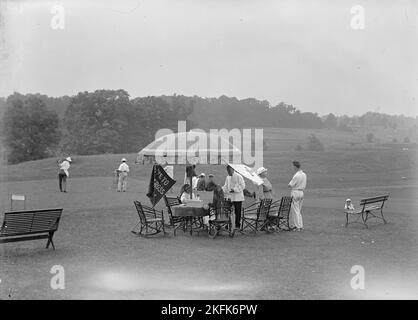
pixel 265 190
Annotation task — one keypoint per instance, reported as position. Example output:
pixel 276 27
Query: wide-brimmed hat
pixel 69 159
pixel 123 160
pixel 261 170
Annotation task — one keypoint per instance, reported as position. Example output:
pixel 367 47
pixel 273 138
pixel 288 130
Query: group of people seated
pixel 199 183
pixel 233 190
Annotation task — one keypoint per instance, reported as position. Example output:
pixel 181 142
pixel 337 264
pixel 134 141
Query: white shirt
pixel 123 167
pixel 348 206
pixel 236 183
pixel 186 196
pixel 298 181
pixel 65 165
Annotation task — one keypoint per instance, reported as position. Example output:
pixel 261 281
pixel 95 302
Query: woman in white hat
pixel 123 175
pixel 265 190
pixel 63 174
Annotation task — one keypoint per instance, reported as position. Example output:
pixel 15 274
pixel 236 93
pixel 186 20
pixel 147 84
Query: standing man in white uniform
pixel 234 190
pixel 123 175
pixel 297 185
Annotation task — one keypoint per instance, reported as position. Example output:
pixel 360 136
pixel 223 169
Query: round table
pixel 185 211
pixel 192 217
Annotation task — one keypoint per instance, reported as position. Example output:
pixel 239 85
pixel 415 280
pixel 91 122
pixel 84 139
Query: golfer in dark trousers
pixel 234 190
pixel 63 174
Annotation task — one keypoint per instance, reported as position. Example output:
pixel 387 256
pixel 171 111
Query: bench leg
pixel 51 234
pixel 162 223
pixel 365 219
pixel 383 218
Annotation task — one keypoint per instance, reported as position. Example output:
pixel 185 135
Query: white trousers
pixel 295 216
pixel 123 177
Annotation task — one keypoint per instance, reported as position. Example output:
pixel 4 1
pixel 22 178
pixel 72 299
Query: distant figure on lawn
pixel 63 173
pixel 348 205
pixel 297 185
pixel 123 175
pixel 265 190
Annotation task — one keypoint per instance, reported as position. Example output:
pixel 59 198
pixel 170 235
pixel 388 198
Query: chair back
pixel 140 211
pixel 222 210
pixel 170 202
pixel 144 212
pixel 285 205
pixel 263 209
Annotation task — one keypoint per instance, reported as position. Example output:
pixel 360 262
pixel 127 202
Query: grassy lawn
pixel 103 260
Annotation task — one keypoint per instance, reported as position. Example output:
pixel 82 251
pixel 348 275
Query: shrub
pixel 314 144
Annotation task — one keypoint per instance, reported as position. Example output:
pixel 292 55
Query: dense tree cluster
pixel 226 112
pixel 104 121
pixel 31 131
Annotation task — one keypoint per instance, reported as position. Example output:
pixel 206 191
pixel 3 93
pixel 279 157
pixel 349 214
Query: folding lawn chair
pixel 279 213
pixel 255 216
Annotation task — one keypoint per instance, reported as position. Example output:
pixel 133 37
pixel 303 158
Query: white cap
pixel 68 159
pixel 123 160
pixel 348 200
pixel 202 175
pixel 261 170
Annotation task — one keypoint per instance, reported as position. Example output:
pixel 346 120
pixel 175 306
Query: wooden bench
pixel 366 211
pixel 30 225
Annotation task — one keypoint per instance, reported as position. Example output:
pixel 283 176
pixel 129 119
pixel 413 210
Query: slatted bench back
pixel 30 222
pixel 378 199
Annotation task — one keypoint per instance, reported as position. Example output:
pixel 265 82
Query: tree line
pixel 103 121
pixel 36 126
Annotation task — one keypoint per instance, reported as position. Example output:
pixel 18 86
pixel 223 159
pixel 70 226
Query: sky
pixel 310 54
